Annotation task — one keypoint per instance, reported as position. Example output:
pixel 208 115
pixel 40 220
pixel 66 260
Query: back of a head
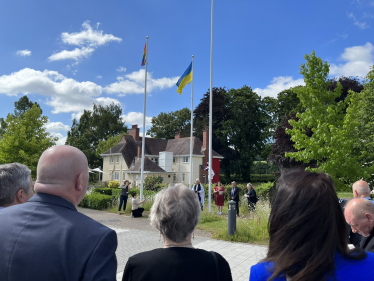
pixel 362 188
pixel 175 212
pixel 13 177
pixel 58 169
pixel 306 226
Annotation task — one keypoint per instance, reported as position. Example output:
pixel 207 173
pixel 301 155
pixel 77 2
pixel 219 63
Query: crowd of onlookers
pixel 44 237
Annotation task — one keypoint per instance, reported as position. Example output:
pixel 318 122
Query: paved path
pixel 136 235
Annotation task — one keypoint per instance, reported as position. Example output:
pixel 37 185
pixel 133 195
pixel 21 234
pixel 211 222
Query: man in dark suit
pixel 235 196
pixel 46 238
pixel 359 214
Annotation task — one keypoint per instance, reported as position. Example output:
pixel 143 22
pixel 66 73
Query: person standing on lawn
pixel 234 195
pixel 124 196
pixel 219 196
pixel 252 199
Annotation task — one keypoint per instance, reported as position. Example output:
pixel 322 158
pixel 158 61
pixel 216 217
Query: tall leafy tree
pixel 245 131
pixel 95 126
pixel 109 142
pixel 23 105
pixel 332 142
pixel 167 124
pixel 25 139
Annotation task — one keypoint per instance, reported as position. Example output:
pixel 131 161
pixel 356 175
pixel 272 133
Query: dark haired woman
pixel 136 212
pixel 308 239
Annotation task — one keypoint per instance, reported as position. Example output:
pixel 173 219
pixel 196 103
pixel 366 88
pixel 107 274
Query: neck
pixel 169 243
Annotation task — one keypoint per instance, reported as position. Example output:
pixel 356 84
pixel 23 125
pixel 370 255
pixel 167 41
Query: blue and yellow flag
pixel 185 79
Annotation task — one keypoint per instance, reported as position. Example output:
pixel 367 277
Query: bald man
pixel 359 214
pixel 46 238
pixel 361 189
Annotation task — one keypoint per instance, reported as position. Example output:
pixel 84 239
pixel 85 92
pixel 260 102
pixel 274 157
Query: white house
pixel 168 158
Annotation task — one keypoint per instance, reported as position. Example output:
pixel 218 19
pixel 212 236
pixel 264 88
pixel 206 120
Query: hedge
pixel 96 201
pixel 106 191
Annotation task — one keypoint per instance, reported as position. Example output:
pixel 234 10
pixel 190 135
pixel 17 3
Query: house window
pixel 111 159
pixel 163 179
pixel 183 176
pixel 156 161
pixel 124 176
pixel 117 158
pixel 204 179
pixel 116 176
pixel 174 178
pixel 173 159
pixel 185 159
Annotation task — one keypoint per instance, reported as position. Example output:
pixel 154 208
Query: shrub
pixel 105 183
pixel 113 184
pixel 96 201
pixel 262 177
pixel 106 191
pixel 116 192
pixel 263 190
pixel 150 182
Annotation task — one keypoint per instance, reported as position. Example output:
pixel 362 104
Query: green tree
pixel 26 139
pixel 332 143
pixel 167 124
pixel 109 142
pixel 95 126
pixel 245 131
pixel 3 126
pixel 23 105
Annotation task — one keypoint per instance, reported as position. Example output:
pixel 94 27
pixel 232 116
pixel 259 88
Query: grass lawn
pixel 345 194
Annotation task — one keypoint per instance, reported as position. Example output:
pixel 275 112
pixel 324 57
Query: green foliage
pixel 3 126
pixel 245 131
pixel 110 141
pixel 116 192
pixel 151 182
pixel 23 105
pixel 95 126
pixel 25 139
pixel 166 125
pixel 113 184
pixel 262 177
pixel 96 201
pixel 263 190
pixel 332 144
pixel 106 191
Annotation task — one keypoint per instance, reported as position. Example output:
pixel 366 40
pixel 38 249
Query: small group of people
pixel 46 238
pixel 136 211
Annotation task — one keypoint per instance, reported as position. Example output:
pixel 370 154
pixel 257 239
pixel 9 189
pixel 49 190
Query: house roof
pixel 149 165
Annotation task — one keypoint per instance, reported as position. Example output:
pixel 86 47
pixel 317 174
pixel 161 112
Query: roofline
pixel 148 172
pixel 111 154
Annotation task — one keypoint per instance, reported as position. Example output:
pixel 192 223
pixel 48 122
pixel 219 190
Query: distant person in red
pixel 220 197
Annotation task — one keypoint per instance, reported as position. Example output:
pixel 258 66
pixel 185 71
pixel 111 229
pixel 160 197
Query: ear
pixel 21 197
pixel 355 193
pixel 369 217
pixel 78 183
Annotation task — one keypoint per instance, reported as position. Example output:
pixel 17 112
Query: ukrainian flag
pixel 185 79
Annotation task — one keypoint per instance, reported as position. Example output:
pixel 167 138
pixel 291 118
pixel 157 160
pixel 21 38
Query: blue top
pixel 2 208
pixel 346 269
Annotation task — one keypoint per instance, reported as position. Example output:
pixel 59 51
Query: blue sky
pixel 66 55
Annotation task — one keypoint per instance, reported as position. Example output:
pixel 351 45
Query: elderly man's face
pixel 197 181
pixel 362 225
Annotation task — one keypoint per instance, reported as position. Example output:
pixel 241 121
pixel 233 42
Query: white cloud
pixel 63 94
pixel 278 84
pixel 99 77
pixel 133 83
pixel 133 118
pixel 61 139
pixel 358 61
pixel 88 39
pixel 23 53
pixel 56 127
pixel 76 54
pixel 88 36
pixel 121 69
pixel 361 25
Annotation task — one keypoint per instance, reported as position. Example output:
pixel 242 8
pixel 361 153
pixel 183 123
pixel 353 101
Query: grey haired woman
pixel 175 213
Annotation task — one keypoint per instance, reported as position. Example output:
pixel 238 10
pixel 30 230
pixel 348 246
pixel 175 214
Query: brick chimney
pixel 139 149
pixel 178 135
pixel 134 132
pixel 206 137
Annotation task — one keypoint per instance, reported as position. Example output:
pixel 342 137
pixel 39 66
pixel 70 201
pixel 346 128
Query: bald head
pixel 63 171
pixel 361 189
pixel 359 214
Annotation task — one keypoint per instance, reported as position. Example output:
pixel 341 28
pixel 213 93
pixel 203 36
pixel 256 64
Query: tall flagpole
pixel 143 138
pixel 210 114
pixel 191 139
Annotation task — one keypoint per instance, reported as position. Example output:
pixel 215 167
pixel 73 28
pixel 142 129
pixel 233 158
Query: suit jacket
pixel 236 194
pixel 345 270
pixel 367 243
pixel 47 239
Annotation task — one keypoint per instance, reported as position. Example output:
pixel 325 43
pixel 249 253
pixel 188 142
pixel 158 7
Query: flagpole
pixel 211 113
pixel 143 138
pixel 191 139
